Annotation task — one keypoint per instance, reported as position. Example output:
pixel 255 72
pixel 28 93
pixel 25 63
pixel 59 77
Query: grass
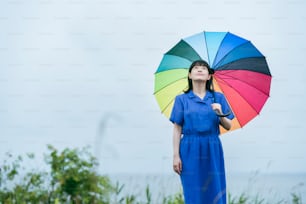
pixel 161 191
pixel 245 199
pixel 177 198
pixel 241 199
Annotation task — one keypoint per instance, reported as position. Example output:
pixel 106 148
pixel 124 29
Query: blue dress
pixel 203 172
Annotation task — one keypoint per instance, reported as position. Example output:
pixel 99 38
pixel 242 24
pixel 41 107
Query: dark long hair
pixel 209 83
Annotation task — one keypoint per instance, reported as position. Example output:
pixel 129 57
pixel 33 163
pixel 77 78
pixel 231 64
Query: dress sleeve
pixel 225 107
pixel 177 114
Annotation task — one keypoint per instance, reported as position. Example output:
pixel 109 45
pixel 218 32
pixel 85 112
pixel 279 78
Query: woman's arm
pixel 226 123
pixel 177 164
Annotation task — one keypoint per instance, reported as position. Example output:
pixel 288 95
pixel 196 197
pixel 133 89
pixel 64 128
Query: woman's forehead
pixel 200 65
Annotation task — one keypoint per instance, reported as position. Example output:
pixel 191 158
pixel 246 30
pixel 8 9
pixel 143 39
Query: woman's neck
pixel 199 88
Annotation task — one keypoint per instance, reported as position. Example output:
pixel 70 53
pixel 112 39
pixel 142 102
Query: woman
pixel 198 155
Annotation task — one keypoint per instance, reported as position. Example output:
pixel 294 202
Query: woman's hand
pixel 177 164
pixel 217 107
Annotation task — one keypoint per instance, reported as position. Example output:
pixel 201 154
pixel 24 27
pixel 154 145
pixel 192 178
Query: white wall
pixel 67 66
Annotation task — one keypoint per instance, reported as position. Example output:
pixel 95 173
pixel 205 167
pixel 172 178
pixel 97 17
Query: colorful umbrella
pixel 241 73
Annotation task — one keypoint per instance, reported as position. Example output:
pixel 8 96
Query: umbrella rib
pixel 181 56
pixel 235 78
pixel 177 56
pixel 168 85
pixel 222 81
pixel 170 69
pixel 228 101
pixel 207 49
pixel 219 49
pixel 171 101
pixel 216 67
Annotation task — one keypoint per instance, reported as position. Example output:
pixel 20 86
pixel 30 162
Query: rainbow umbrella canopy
pixel 241 73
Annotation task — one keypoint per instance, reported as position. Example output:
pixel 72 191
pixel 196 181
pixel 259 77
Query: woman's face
pixel 199 73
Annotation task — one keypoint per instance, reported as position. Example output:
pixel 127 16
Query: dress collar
pixel 207 95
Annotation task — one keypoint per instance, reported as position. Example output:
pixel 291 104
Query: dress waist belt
pixel 199 134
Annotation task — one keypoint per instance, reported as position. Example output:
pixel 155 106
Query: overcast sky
pixel 78 72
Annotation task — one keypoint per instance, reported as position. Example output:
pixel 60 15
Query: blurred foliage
pixel 175 199
pixel 71 178
pixel 244 199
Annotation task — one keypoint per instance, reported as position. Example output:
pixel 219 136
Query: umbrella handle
pixel 222 115
pixel 216 111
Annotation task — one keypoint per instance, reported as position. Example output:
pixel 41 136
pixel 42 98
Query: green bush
pixel 71 179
